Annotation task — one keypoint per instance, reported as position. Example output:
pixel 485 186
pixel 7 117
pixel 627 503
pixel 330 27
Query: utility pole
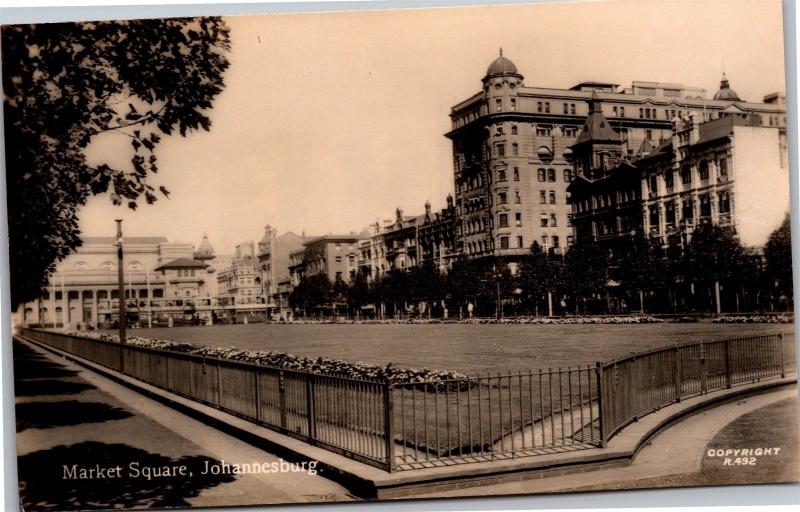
pixel 123 319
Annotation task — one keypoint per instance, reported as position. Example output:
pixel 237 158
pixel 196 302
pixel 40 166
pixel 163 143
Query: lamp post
pixel 123 320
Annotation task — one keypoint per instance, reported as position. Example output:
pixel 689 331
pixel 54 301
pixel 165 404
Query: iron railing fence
pixel 401 426
pixel 643 383
pixel 340 414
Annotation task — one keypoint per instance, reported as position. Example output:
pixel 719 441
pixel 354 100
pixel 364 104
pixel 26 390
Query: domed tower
pixel 725 92
pixel 598 147
pixel 205 252
pixel 500 85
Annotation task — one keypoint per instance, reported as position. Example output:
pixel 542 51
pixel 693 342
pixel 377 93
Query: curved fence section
pixel 402 426
pixel 640 384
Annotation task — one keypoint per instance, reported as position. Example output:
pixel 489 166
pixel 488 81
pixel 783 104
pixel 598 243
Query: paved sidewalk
pixel 69 416
pixel 676 456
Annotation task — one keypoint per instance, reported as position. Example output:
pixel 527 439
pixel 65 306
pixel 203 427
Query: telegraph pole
pixel 123 319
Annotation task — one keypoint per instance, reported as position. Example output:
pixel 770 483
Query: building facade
pixel 240 282
pixel 333 255
pixel 512 149
pixel 164 283
pixel 273 259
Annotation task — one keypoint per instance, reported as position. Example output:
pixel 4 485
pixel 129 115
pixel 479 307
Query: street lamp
pixel 121 285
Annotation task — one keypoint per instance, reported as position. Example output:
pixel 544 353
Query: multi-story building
pixel 273 260
pixel 512 149
pixel 731 170
pixel 240 282
pixel 163 281
pixel 334 255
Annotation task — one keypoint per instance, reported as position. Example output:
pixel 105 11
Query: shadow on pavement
pixel 43 486
pixel 43 387
pixel 67 413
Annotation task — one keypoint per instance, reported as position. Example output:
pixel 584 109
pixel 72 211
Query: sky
pixel 330 121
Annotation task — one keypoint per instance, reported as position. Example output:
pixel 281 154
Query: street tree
pixel 778 260
pixel 585 270
pixel 65 84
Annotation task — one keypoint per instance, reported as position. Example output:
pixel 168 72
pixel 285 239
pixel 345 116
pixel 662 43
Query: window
pixel 572 108
pixel 669 179
pixel 502 198
pixel 688 209
pixel 546 107
pixel 703 169
pixel 669 213
pixel 503 220
pixel 518 219
pixel 501 175
pixel 705 206
pixel 569 131
pixel 543 220
pixel 723 167
pixel 192 273
pixel 520 242
pixel 553 222
pixel 551 175
pixel 513 129
pixel 499 130
pixel 539 107
pixel 641 113
pixel 517 197
pixel 544 241
pixel 501 150
pixel 513 104
pixel 654 184
pixel 615 110
pixel 570 239
pixel 686 175
pixel 649 134
pixel 338 259
pixel 504 242
pixel 542 197
pixel 552 197
pixel 515 149
pixel 499 104
pixel 516 173
pixel 567 175
pixel 542 175
pixel 724 202
pixel 556 242
pixel 543 131
pixel 654 216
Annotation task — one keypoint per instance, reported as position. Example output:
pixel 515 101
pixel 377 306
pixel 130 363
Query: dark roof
pixel 501 66
pixel 604 85
pixel 720 128
pixel 596 128
pixel 182 263
pixel 125 240
pixel 725 92
pixel 663 148
pixel 333 238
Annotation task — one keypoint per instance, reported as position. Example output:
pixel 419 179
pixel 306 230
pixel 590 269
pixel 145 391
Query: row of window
pixel 547 242
pixel 185 272
pixel 686 174
pixel 550 175
pixel 499 104
pixel 503 220
pixel 502 197
pixel 545 194
pixel 604 200
pixel 687 208
pixel 501 174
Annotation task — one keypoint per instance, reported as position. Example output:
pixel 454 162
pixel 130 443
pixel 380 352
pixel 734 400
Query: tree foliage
pixel 778 257
pixel 67 83
pixel 715 254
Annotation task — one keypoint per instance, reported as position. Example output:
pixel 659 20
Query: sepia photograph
pixel 392 254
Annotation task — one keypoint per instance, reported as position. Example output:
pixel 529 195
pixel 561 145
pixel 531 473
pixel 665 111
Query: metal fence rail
pixel 344 415
pixel 401 426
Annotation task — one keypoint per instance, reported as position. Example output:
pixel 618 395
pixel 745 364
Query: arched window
pixel 107 265
pixel 135 265
pixel 81 265
pixel 703 169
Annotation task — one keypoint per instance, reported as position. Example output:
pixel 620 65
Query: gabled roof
pixel 596 128
pixel 182 263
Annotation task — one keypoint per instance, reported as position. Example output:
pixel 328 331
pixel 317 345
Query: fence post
pixel 677 373
pixel 310 406
pixel 258 393
pixel 782 342
pixel 282 399
pixel 601 404
pixel 388 416
pixel 728 380
pixel 703 383
pixel 219 384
